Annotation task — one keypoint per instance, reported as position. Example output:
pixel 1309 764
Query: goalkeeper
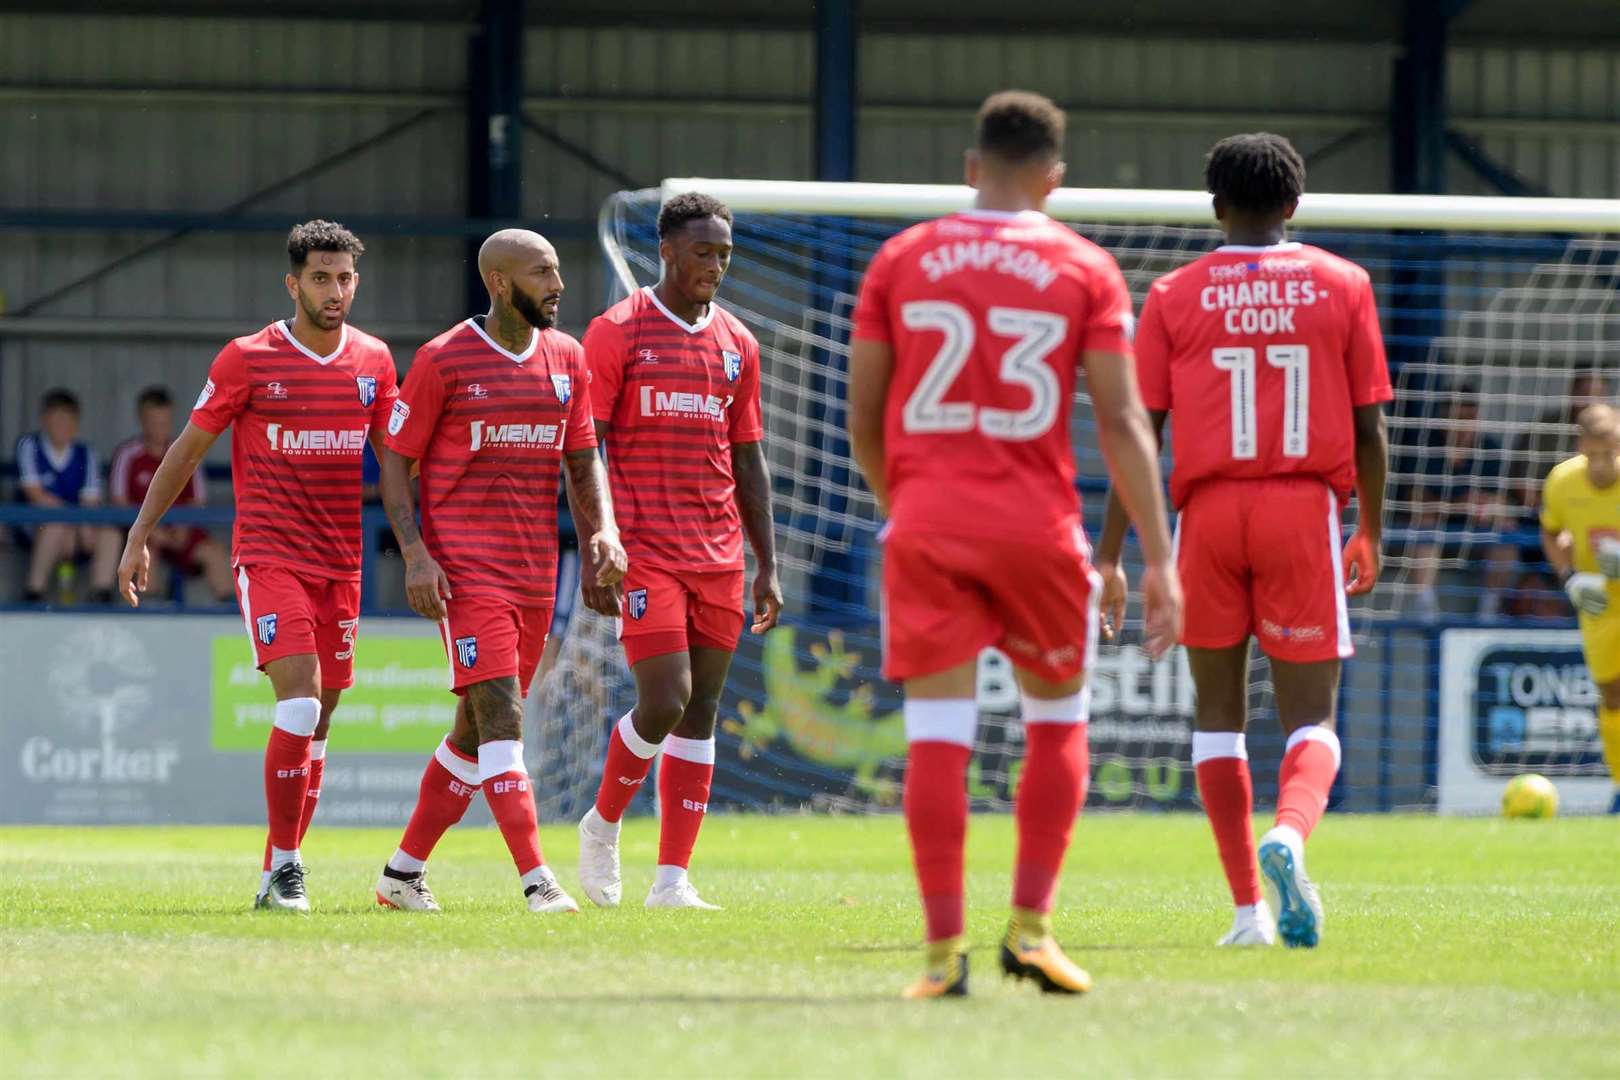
pixel 1580 530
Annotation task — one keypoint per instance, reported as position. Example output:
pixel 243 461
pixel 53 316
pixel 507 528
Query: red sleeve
pixel 415 411
pixel 225 394
pixel 387 391
pixel 1153 355
pixel 581 433
pixel 1108 322
pixel 604 359
pixel 747 425
pixel 1368 369
pixel 871 316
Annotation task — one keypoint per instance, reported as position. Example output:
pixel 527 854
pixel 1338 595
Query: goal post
pixel 1495 310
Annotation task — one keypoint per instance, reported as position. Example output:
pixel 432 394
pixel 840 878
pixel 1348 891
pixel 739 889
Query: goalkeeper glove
pixel 1608 557
pixel 1588 592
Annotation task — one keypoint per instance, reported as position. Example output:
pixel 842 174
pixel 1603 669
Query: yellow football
pixel 1529 796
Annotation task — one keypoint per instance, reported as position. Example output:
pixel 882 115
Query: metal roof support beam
pixel 494 125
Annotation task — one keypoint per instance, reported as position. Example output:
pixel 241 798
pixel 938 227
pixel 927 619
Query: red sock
pixel 629 756
pixel 1050 794
pixel 449 784
pixel 1228 794
pixel 506 789
pixel 312 796
pixel 286 782
pixel 936 817
pixel 683 797
pixel 1308 769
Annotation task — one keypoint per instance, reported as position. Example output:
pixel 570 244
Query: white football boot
pixel 1293 895
pixel 285 892
pixel 599 859
pixel 406 894
pixel 678 894
pixel 1252 925
pixel 547 897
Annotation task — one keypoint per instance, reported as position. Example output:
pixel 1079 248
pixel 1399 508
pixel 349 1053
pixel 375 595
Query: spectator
pixel 1457 490
pixel 187 548
pixel 1551 439
pixel 56 469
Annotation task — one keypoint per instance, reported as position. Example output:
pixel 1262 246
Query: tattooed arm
pixel 426 587
pixel 592 507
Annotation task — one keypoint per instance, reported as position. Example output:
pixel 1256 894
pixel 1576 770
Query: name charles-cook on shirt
pixel 994 255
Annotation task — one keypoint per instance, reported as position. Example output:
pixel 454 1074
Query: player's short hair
pixel 59 398
pixel 156 397
pixel 1259 172
pixel 1018 126
pixel 1598 421
pixel 319 235
pixel 687 207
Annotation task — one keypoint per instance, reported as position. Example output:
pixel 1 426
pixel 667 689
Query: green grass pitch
pixel 1452 948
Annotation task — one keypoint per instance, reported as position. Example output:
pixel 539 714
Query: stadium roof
pixel 1586 22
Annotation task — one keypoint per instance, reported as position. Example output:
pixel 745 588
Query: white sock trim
pixel 952 720
pixel 669 876
pixel 406 864
pixel 317 750
pixel 638 746
pixel 280 858
pixel 1318 733
pixel 1065 710
pixel 1208 745
pixel 298 716
pixel 456 765
pixel 500 757
pixel 540 875
pixel 698 751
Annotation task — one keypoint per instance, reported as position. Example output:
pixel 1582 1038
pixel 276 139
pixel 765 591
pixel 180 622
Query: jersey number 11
pixel 1239 362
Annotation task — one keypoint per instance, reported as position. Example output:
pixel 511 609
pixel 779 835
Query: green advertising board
pixel 400 700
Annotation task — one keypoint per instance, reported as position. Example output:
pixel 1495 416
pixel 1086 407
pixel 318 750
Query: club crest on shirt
pixel 207 392
pixel 367 385
pixel 733 364
pixel 397 418
pixel 564 385
pixel 646 356
pixel 637 605
pixel 476 391
pixel 275 390
pixel 467 651
pixel 266 625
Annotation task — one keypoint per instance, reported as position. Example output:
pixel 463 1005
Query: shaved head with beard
pixel 521 268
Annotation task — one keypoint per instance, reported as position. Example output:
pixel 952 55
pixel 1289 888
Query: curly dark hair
pixel 688 207
pixel 1018 126
pixel 319 235
pixel 1258 173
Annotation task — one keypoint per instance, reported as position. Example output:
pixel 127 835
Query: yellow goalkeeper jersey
pixel 1569 501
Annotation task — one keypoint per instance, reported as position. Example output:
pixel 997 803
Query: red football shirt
pixel 987 314
pixel 678 395
pixel 133 467
pixel 300 430
pixel 1262 354
pixel 489 428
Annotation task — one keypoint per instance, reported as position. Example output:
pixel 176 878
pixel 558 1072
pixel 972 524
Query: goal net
pixel 1495 311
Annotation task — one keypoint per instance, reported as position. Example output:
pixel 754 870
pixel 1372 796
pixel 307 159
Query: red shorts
pixel 291 614
pixel 1262 558
pixel 667 611
pixel 488 637
pixel 946 598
